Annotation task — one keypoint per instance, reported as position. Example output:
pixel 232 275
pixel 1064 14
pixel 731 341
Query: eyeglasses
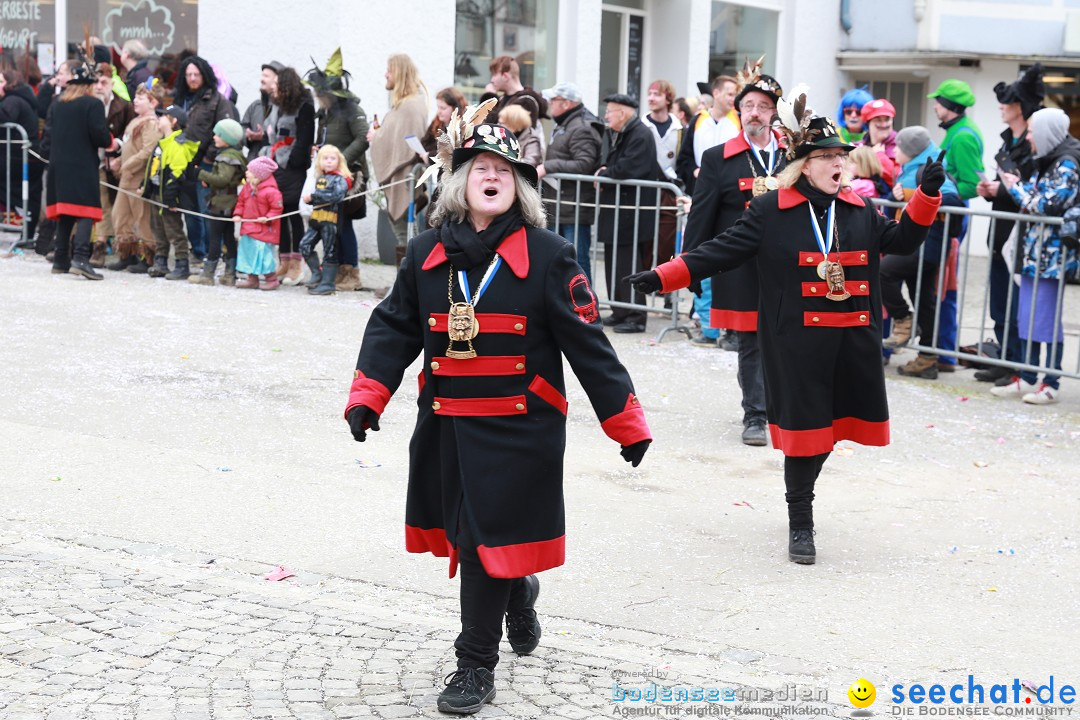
pixel 760 107
pixel 830 157
pixel 851 110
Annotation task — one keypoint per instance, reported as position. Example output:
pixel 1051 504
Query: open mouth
pixel 836 177
pixel 491 192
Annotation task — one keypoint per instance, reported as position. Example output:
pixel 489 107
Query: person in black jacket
pixel 628 153
pixel 486 457
pixel 18 106
pixel 72 195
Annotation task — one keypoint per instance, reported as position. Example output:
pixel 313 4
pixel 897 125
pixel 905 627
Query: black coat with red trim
pixel 723 189
pixel 78 130
pixel 491 430
pixel 821 358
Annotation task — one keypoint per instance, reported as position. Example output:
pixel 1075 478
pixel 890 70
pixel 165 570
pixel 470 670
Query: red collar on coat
pixel 790 197
pixel 514 250
pixel 738 144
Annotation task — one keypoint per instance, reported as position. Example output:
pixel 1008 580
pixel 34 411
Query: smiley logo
pixel 862 693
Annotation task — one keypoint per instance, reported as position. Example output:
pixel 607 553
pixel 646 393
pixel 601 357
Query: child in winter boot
pixel 332 183
pixel 257 202
pixel 223 179
pixel 171 157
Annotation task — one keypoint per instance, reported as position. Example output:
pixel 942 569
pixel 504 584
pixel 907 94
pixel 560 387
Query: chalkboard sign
pixel 633 56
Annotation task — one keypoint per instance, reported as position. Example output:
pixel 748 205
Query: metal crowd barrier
pixel 12 220
pixel 555 215
pixel 973 279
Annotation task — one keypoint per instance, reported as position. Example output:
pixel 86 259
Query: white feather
pixel 786 109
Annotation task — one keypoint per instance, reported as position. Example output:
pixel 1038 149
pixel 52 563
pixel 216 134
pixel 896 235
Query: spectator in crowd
pixel 1053 189
pixel 518 120
pixel 118 113
pixel 667 134
pixel 498 514
pixel 628 153
pixel 684 112
pixel 506 84
pixel 963 143
pixel 711 126
pixel 849 114
pixel 254 119
pixel 164 178
pixel 19 107
pixel 574 150
pixel 864 167
pixel 721 195
pixel 1017 103
pixel 820 314
pixel 222 180
pixel 197 95
pixel 341 122
pixel 72 197
pixel 913 149
pixel 332 183
pixel 391 155
pixel 257 201
pixel 447 101
pixel 878 116
pixel 131 216
pixel 134 57
pixel 291 130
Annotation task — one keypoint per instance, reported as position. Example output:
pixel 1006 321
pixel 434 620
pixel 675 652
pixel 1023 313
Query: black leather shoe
pixel 629 327
pixel 467 690
pixel 612 320
pixel 754 434
pixel 992 373
pixel 801 548
pixel 729 341
pixel 522 627
pixel 81 267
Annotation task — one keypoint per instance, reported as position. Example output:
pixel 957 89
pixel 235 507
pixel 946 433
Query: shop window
pixel 738 32
pixel 907 97
pixel 27 36
pixel 523 29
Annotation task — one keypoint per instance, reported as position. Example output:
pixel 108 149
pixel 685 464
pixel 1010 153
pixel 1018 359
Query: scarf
pixel 817 198
pixel 467 249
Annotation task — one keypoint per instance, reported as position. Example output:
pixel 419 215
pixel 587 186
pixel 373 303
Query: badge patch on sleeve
pixel 583 299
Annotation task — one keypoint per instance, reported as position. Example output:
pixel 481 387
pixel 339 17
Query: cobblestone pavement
pixel 100 627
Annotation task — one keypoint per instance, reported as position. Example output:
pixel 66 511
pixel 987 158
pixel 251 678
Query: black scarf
pixel 817 198
pixel 467 249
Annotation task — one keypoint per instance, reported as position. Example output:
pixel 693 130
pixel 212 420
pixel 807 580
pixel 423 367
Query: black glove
pixel 647 281
pixel 361 418
pixel 933 177
pixel 633 453
pixel 695 287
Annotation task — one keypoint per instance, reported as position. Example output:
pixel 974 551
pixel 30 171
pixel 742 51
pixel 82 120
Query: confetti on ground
pixel 275 349
pixel 1001 441
pixel 1010 551
pixel 981 463
pixel 743 503
pixel 279 573
pixel 183 357
pixel 953 550
pixel 963 398
pixel 224 468
pixel 368 463
pixel 56 478
pixel 991 589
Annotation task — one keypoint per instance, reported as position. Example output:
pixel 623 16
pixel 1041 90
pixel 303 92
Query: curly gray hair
pixel 451 205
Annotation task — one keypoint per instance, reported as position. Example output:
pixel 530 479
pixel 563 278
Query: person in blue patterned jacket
pixel 1046 259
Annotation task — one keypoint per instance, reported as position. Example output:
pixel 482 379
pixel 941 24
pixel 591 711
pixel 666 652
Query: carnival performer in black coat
pixel 493 301
pixel 731 175
pixel 817 246
pixel 72 192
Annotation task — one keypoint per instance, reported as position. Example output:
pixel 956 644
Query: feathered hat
pixel 805 131
pixel 1028 90
pixel 85 71
pixel 751 79
pixel 334 80
pixel 467 135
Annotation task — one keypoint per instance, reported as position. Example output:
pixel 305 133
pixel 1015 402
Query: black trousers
pixel 484 601
pixel 800 474
pixel 899 270
pixel 221 235
pixel 72 239
pixel 620 261
pixel 327 233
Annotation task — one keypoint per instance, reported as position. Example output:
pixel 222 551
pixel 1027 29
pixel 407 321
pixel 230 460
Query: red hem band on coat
pixel 820 289
pixel 432 540
pixel 628 426
pixel 859 318
pixel 803 443
pixel 489 323
pixel 922 209
pixel 514 561
pixel 740 320
pixel 74 210
pixel 674 275
pixel 480 407
pixel 482 366
pixel 367 392
pixel 848 258
pixel 547 392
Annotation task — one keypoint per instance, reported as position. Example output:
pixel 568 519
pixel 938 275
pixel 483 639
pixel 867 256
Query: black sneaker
pixel 801 548
pixel 754 434
pixel 992 373
pixel 522 626
pixel 467 690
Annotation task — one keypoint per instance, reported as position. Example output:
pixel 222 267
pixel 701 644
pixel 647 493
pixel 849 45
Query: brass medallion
pixel 834 276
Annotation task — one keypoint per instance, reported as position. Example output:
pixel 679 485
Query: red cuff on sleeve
pixel 922 208
pixel 367 392
pixel 629 426
pixel 674 275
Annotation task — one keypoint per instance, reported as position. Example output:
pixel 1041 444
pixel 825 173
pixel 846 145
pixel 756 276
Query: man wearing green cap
pixel 963 144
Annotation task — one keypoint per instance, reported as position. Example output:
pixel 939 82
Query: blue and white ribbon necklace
pixel 830 229
pixel 489 275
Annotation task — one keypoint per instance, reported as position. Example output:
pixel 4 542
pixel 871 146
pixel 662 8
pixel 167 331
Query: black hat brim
pixel 464 155
pixel 704 88
pixel 833 141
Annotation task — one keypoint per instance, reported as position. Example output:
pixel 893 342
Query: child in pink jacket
pixel 256 201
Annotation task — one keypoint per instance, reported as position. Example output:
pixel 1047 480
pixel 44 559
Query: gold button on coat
pixel 813 289
pixel 862 318
pixel 519 366
pixel 519 406
pixel 431 322
pixel 862 287
pixel 435 406
pixel 862 256
pixel 816 319
pixel 434 365
pixel 519 326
